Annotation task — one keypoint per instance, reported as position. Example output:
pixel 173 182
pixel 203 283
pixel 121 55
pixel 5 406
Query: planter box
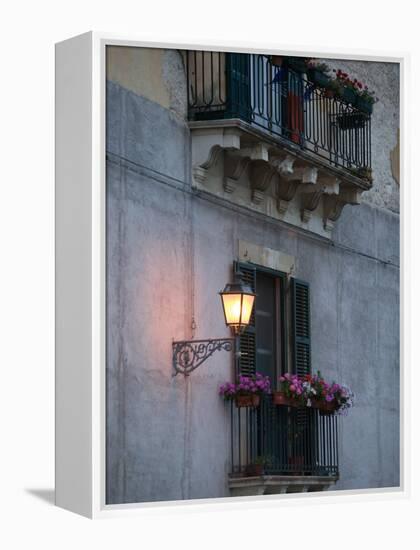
pixel 247 400
pixel 279 398
pixel 350 121
pixel 349 96
pixel 364 105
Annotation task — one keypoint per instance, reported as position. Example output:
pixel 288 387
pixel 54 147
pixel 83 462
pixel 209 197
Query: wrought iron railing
pixel 284 440
pixel 282 102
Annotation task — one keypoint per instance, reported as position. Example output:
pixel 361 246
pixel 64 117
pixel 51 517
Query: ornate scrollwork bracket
pixel 189 354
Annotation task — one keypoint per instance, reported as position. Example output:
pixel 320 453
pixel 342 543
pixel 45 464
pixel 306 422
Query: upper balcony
pixel 289 103
pixel 284 140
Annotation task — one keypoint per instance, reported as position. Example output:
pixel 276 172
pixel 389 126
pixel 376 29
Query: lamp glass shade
pixel 237 300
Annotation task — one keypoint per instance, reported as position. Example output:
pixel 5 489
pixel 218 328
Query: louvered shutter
pixel 301 327
pixel 306 431
pixel 247 361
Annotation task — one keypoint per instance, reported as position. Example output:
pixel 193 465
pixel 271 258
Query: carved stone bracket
pixel 235 166
pixel 230 159
pixel 261 174
pixel 207 148
pixel 290 178
pixel 313 192
pixel 334 204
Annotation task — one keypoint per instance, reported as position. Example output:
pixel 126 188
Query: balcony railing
pixel 288 441
pixel 283 103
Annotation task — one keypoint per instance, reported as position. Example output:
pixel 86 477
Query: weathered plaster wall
pixel 169 251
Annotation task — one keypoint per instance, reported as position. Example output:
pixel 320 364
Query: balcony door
pixel 267 323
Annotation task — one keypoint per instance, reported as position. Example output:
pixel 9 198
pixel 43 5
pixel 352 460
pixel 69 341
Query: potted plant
pixel 290 391
pixel 328 398
pixel 363 172
pixel 318 73
pixel 365 100
pixel 247 391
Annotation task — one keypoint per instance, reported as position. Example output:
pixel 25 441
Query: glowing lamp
pixel 238 300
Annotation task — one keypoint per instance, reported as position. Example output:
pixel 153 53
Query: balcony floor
pixel 278 484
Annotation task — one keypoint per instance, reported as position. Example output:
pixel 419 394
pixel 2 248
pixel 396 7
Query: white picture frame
pixel 80 276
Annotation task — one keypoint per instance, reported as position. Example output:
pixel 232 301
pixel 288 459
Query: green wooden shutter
pixel 301 312
pixel 247 361
pixel 305 427
pixel 238 86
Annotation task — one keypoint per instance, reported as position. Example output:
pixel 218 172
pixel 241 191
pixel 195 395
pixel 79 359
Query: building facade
pixel 223 163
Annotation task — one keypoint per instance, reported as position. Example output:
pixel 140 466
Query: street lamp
pixel 237 301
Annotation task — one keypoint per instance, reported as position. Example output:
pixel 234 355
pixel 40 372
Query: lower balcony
pixel 278 449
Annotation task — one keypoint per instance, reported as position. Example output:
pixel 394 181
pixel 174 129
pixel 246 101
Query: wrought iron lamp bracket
pixel 187 355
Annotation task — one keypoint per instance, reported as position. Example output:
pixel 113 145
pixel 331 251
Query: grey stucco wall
pixel 169 251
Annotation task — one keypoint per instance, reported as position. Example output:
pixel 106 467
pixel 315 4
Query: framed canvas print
pixel 228 274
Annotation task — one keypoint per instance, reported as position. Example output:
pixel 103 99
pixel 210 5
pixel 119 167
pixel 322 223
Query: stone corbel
pixel 314 190
pixel 334 204
pixel 207 146
pixel 235 166
pixel 261 174
pixel 290 178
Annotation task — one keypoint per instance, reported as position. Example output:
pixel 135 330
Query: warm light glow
pixel 237 300
pixel 232 305
pixel 247 303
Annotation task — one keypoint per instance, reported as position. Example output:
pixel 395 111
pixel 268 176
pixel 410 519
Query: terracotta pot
pixel 254 470
pixel 247 400
pixel 279 398
pixel 324 406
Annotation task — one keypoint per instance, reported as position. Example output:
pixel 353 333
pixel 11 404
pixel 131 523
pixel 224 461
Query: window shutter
pixel 247 361
pixel 301 327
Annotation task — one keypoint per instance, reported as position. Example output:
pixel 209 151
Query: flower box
pixel 247 391
pixel 349 121
pixel 280 398
pixel 364 105
pixel 247 400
